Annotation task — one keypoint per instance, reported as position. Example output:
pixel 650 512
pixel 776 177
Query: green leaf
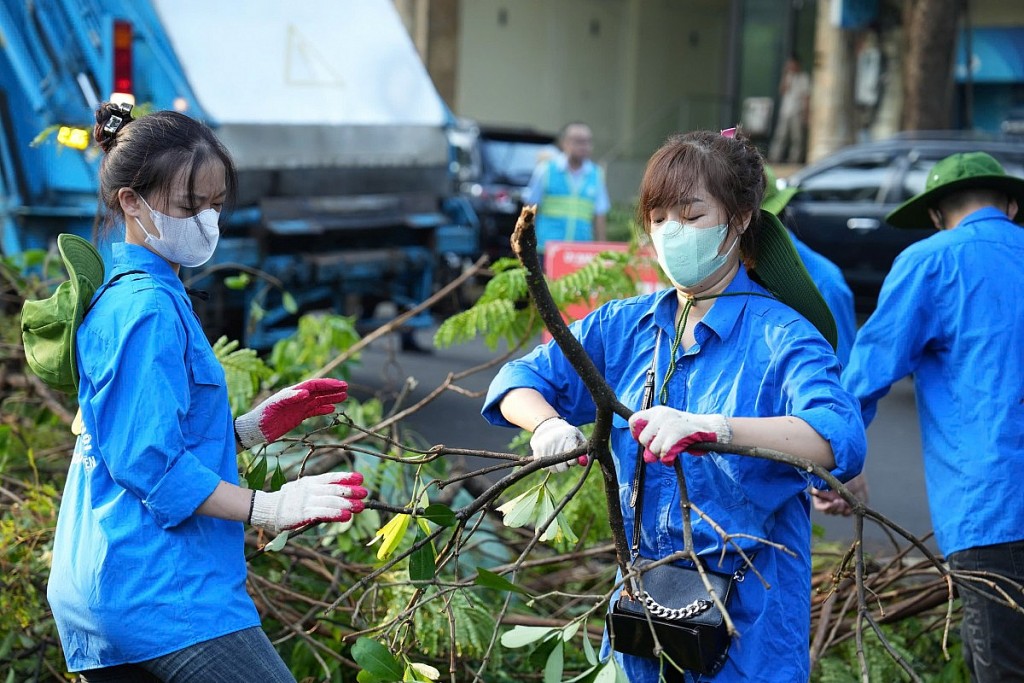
pixel 377 659
pixel 440 515
pixel 489 579
pixel 565 531
pixel 257 475
pixel 422 563
pixel 520 511
pixel 277 480
pixel 288 302
pixel 546 511
pixel 240 281
pixel 520 636
pixel 570 631
pixel 42 135
pixel 256 312
pixel 609 674
pixel 425 672
pixel 424 527
pixel 365 676
pixel 588 650
pixel 555 665
pixel 279 542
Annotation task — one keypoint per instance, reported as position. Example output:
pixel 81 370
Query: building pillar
pixel 433 26
pixel 442 58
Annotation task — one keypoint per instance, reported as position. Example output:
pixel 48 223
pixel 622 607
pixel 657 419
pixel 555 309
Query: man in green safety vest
pixel 569 191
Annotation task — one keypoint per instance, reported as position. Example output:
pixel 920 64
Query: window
pixel 857 180
pixel 915 178
pixel 512 161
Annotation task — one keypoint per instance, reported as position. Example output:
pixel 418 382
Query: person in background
pixel 794 107
pixel 569 191
pixel 148 579
pixel 951 314
pixel 826 275
pixel 733 365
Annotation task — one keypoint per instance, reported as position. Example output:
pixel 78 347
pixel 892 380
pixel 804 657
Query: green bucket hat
pixel 49 326
pixel 781 271
pixel 957 172
pixel 775 200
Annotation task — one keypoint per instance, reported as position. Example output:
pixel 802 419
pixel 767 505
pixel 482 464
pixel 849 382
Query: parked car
pixel 843 199
pixel 495 169
pixel 1013 123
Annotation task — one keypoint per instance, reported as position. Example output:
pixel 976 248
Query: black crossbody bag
pixel 669 600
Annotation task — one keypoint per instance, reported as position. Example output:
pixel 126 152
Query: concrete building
pixel 638 70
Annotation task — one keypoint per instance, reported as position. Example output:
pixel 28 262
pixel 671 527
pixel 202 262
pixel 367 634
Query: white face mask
pixel 189 242
pixel 688 254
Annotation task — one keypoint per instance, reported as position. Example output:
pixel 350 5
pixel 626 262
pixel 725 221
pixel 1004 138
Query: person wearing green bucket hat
pixel 951 314
pixel 148 572
pixel 826 275
pixel 738 352
pixel 49 326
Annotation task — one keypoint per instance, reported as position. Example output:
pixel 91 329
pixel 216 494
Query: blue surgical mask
pixel 189 242
pixel 688 254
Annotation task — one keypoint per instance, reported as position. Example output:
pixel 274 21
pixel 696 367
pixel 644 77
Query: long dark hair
pixel 148 155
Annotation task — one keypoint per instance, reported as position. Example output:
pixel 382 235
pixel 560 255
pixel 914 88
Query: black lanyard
pixel 636 500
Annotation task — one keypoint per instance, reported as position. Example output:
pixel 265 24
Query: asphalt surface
pixel 894 467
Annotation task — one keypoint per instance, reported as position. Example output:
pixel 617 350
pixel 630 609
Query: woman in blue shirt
pixel 734 364
pixel 148 574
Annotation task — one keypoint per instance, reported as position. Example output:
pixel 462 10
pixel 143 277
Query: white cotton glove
pixel 555 435
pixel 666 432
pixel 286 409
pixel 330 497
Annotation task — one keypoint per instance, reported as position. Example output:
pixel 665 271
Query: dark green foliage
pixel 921 647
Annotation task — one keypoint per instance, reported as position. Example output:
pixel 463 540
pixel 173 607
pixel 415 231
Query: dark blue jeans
pixel 993 634
pixel 241 657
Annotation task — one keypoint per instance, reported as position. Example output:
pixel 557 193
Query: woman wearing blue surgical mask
pixel 742 351
pixel 148 580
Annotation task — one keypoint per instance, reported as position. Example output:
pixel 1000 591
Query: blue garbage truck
pixel 345 197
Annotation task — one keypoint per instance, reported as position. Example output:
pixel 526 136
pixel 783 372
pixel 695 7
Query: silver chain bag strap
pixel 669 600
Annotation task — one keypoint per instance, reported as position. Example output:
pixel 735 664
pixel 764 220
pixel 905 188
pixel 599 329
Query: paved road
pixel 894 459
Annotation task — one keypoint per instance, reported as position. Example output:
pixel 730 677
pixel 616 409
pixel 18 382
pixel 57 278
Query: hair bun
pixel 110 119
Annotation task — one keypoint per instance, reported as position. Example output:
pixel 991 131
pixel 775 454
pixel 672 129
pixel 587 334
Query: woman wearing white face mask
pixel 739 356
pixel 148 575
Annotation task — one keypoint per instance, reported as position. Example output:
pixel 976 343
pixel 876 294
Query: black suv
pixel 498 169
pixel 843 199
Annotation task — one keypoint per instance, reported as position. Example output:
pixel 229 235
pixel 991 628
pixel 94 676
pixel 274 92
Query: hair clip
pixel 115 122
pixel 112 124
pixel 729 132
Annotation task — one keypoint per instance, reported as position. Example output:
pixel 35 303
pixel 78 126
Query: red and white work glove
pixel 553 436
pixel 286 409
pixel 666 432
pixel 330 497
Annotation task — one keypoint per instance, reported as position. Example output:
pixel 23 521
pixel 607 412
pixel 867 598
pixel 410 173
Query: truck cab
pixel 339 136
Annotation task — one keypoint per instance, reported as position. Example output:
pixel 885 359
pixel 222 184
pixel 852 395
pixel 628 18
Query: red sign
pixel 562 258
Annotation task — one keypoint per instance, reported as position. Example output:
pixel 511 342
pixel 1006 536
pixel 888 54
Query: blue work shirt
pixel 830 282
pixel 951 312
pixel 753 357
pixel 136 574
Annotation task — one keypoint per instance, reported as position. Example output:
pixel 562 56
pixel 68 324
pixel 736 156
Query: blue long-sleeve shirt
pixel 136 574
pixel 830 282
pixel 951 312
pixel 753 357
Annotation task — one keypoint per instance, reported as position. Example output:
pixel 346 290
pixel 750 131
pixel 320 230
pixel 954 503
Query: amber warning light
pixel 76 138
